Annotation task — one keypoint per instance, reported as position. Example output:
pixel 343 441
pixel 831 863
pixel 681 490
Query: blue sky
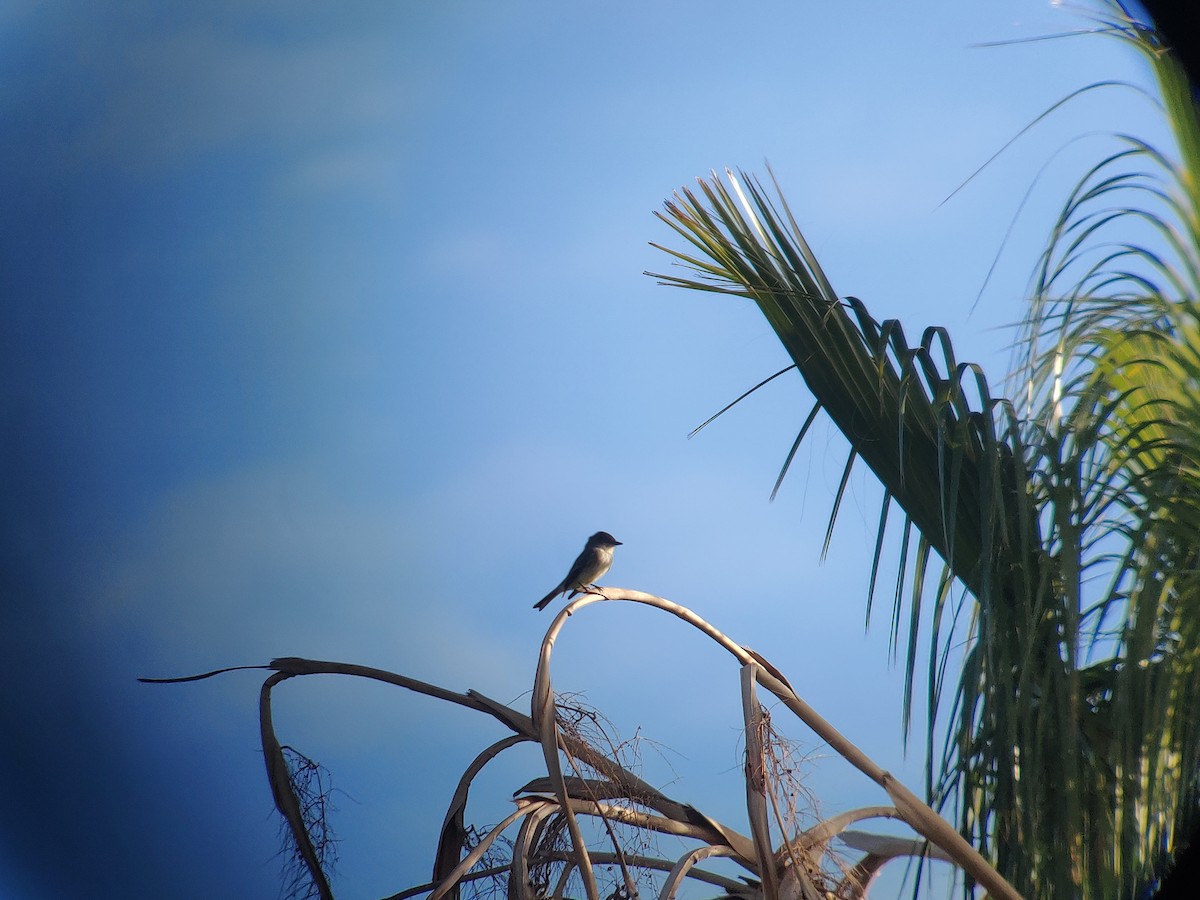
pixel 325 333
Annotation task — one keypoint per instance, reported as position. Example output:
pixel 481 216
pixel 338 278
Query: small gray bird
pixel 590 565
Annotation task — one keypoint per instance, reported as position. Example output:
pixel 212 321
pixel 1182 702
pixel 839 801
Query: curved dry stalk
pixel 518 879
pixel 684 867
pixel 800 874
pixel 543 708
pixel 581 788
pixel 646 821
pixel 650 822
pixel 856 880
pixel 561 885
pixel 891 846
pixel 603 858
pixel 634 788
pixel 453 833
pixel 481 848
pixel 823 832
pixel 283 791
pixel 709 830
pixel 729 885
pixel 586 784
pixel 916 813
pixel 880 850
pixel 430 885
pixel 756 781
pixel 296 665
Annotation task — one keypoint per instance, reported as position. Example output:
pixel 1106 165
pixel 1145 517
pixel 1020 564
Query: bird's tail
pixel 545 601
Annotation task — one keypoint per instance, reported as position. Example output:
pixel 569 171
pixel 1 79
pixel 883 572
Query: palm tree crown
pixel 1068 515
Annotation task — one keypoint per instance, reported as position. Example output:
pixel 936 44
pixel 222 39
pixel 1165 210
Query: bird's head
pixel 603 539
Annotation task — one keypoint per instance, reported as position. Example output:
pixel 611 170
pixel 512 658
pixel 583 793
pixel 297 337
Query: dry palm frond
pixel 597 827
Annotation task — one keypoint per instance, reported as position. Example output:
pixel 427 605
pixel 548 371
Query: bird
pixel 591 564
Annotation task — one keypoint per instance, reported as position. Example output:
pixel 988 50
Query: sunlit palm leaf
pixel 1116 318
pixel 908 420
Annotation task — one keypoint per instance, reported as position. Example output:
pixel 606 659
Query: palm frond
pixel 952 456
